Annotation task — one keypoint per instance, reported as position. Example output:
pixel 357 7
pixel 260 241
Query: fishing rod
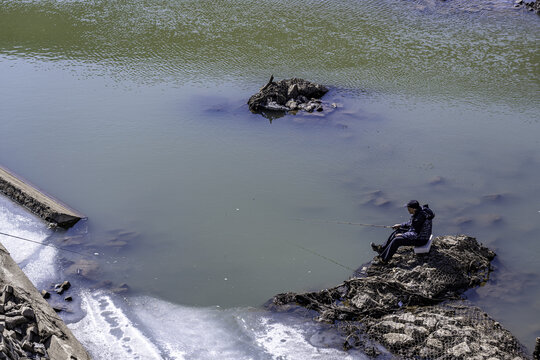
pixel 40 243
pixel 345 223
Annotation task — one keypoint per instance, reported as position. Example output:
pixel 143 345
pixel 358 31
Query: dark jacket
pixel 419 225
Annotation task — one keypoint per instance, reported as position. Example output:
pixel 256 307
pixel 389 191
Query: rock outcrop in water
pixel 411 308
pixel 288 95
pixel 530 6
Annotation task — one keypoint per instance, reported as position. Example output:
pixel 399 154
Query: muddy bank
pixel 29 327
pixel 413 306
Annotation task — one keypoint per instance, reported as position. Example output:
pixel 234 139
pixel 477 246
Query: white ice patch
pixel 37 260
pixel 191 333
pixel 234 334
pixel 14 220
pixel 41 267
pixel 107 333
pixel 297 341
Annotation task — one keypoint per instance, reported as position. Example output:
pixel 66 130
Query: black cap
pixel 413 204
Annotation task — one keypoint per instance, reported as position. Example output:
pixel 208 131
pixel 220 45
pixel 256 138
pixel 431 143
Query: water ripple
pixel 420 47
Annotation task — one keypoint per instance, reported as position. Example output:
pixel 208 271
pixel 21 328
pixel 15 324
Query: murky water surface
pixel 135 114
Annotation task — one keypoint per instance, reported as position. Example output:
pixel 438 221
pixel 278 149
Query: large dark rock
pixel 285 95
pixel 412 307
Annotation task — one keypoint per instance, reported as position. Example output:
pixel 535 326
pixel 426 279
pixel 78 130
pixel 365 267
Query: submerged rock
pixel 437 180
pixel 288 95
pixel 88 269
pixel 412 306
pixel 60 288
pixel 376 198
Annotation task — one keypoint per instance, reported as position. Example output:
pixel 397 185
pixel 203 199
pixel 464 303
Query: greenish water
pixel 134 113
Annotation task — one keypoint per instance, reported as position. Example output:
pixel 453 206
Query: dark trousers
pixel 394 242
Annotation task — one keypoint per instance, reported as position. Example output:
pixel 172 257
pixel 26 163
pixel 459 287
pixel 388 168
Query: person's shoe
pixel 377 248
pixel 379 261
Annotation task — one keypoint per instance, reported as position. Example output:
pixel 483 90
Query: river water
pixel 135 114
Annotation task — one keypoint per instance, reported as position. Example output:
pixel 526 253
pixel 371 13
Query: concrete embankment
pixel 41 204
pixel 29 327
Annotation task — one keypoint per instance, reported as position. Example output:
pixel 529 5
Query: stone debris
pixel 413 306
pixel 60 288
pixel 29 327
pixel 288 95
pixel 21 337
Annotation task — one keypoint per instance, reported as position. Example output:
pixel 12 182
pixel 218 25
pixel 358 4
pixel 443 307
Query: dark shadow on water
pixel 272 115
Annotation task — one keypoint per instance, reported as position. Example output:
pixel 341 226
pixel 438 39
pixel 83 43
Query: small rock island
pixel 413 307
pixel 288 95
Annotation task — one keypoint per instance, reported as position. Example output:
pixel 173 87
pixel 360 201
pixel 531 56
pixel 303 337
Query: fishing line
pixel 324 257
pixel 40 243
pixel 345 223
pixel 341 223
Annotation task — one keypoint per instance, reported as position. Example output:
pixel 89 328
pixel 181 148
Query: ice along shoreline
pixel 29 326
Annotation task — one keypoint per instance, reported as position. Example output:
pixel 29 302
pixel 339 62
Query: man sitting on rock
pixel 415 232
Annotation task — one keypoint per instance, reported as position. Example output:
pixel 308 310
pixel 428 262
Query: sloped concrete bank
pixel 43 205
pixel 29 327
pixel 412 308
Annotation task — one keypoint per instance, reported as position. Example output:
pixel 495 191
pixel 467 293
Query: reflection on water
pixel 428 47
pixel 135 114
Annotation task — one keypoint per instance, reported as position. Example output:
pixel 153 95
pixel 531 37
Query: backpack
pixel 425 233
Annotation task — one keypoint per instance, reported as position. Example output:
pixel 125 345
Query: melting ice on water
pixel 36 261
pixel 143 327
